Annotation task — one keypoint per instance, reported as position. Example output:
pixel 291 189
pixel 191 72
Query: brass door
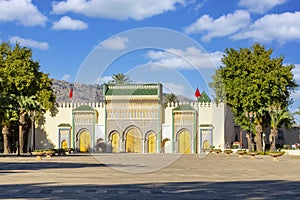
pixel 115 143
pixel 133 141
pixel 84 141
pixel 151 143
pixel 184 143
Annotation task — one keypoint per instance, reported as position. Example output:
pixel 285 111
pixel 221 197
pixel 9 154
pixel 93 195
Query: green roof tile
pixel 132 89
pixel 184 107
pixel 204 98
pixel 84 108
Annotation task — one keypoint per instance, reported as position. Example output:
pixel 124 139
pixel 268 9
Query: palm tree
pixel 25 104
pixel 170 98
pixel 120 79
pixel 278 118
pixel 7 114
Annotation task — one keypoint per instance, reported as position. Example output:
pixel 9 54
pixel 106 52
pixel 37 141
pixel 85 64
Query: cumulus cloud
pixel 133 9
pixel 116 43
pixel 104 79
pixel 66 23
pixel 220 27
pixel 274 27
pixel 175 88
pixel 259 6
pixel 66 77
pixel 296 72
pixel 190 58
pixel 29 43
pixel 21 11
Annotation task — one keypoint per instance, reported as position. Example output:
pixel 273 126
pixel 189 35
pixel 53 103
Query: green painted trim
pixel 73 130
pixel 94 123
pixel 105 118
pixel 159 125
pixel 195 132
pixel 173 141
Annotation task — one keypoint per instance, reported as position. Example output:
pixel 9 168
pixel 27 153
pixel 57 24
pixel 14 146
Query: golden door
pixel 151 143
pixel 64 144
pixel 184 142
pixel 84 141
pixel 133 141
pixel 115 143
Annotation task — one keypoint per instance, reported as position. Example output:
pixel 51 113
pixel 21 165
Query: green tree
pixel 218 87
pixel 29 88
pixel 253 81
pixel 170 98
pixel 119 79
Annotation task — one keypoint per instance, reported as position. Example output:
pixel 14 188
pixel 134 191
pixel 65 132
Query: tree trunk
pixel 257 139
pixel 5 132
pixel 272 139
pixel 21 133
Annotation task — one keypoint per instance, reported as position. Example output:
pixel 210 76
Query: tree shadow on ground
pixel 275 189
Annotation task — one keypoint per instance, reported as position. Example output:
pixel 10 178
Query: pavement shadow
pixel 275 189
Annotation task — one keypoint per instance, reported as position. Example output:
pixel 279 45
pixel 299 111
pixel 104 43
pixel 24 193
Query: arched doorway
pixel 133 141
pixel 184 143
pixel 206 145
pixel 64 144
pixel 151 143
pixel 84 141
pixel 115 142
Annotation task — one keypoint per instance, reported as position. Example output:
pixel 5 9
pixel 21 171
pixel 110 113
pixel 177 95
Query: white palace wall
pixel 209 116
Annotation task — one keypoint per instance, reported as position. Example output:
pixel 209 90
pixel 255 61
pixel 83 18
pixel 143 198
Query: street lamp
pixel 251 115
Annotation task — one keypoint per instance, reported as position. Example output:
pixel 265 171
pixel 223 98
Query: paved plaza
pixel 149 176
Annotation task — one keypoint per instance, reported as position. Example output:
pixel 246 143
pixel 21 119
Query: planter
pixel 253 154
pixel 37 153
pixel 50 152
pixel 275 155
pixel 241 153
pixel 227 152
pixel 216 151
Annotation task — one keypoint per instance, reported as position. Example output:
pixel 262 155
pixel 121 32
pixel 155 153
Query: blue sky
pixel 64 36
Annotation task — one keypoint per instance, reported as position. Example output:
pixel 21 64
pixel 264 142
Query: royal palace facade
pixel 133 119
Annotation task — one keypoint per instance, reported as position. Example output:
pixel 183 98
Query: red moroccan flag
pixel 197 93
pixel 71 91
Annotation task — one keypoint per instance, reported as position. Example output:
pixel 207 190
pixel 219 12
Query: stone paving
pixel 149 176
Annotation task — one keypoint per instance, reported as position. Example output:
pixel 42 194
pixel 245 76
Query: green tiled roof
pixel 132 89
pixel 84 108
pixel 204 98
pixel 184 107
pixel 64 125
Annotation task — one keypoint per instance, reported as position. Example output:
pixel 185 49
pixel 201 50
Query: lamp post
pixel 251 115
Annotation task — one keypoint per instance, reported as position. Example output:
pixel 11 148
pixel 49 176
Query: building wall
pixel 208 113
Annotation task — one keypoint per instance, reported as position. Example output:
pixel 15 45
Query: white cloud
pixel 220 27
pixel 190 58
pixel 66 77
pixel 29 43
pixel 66 23
pixel 260 6
pixel 104 79
pixel 21 11
pixel 175 88
pixel 116 9
pixel 116 43
pixel 296 72
pixel 274 27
